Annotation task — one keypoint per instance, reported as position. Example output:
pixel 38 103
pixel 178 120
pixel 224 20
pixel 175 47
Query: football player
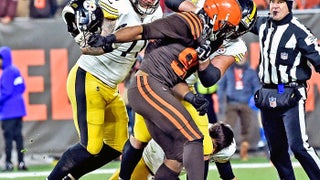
pixel 230 51
pixel 224 147
pixel 99 112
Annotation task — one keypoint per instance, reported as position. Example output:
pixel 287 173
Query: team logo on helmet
pixel 90 5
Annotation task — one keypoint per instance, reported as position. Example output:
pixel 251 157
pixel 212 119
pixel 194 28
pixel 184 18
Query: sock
pixel 165 173
pixel 70 159
pixel 130 159
pixel 206 169
pixel 225 170
pixel 106 155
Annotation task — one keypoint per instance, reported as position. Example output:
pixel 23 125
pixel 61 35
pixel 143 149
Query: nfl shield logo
pixel 284 56
pixel 273 102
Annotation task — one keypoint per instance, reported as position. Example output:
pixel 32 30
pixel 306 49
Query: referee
pixel 287 49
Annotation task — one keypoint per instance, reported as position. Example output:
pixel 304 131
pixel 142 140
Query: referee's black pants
pixel 286 129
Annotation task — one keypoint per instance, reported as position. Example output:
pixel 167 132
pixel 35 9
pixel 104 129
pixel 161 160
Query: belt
pixel 290 84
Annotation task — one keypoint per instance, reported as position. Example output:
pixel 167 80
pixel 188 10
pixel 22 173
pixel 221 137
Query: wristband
pixel 189 97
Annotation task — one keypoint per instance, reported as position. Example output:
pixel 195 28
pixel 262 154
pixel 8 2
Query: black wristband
pixel 108 41
pixel 189 97
pixel 111 38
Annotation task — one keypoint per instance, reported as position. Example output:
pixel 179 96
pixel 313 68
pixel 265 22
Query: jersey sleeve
pixel 236 48
pixel 183 27
pixel 309 46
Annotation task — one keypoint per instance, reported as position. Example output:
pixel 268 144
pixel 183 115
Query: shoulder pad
pixel 110 8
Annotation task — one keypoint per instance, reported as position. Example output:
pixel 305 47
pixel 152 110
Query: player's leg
pixel 225 170
pixel 106 155
pixel 203 125
pixel 88 120
pixel 115 132
pixel 140 172
pixel 171 124
pixel 133 148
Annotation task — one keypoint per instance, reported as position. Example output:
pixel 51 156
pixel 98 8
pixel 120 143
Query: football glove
pixel 204 51
pixel 96 40
pixel 198 101
pixel 82 38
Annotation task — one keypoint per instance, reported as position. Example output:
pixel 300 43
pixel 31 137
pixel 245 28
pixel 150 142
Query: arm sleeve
pixel 176 27
pixel 173 4
pixel 163 28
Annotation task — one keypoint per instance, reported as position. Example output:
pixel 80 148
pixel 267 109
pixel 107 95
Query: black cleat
pixel 8 167
pixel 22 166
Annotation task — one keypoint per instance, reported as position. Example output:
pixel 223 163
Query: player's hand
pixel 82 38
pixel 96 40
pixel 204 51
pixel 198 101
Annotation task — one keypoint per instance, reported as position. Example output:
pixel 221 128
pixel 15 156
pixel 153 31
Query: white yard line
pixel 13 175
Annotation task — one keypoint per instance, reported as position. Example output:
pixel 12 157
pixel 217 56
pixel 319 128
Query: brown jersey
pixel 172 58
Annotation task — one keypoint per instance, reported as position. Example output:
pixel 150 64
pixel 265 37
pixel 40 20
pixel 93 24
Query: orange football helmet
pixel 223 13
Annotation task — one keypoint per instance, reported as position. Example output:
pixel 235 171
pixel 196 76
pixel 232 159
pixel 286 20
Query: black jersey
pixel 288 49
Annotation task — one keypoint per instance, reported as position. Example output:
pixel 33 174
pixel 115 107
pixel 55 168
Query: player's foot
pixel 22 166
pixel 8 167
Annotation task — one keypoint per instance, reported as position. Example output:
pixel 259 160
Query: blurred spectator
pixel 12 108
pixel 8 10
pixel 43 8
pixel 261 4
pixel 23 8
pixel 235 89
pixel 307 4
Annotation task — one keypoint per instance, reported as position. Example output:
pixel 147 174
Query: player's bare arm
pixel 107 28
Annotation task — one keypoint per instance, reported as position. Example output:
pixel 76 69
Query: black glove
pixel 198 101
pixel 96 40
pixel 204 51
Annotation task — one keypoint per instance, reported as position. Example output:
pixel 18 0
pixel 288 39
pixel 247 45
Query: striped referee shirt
pixel 287 50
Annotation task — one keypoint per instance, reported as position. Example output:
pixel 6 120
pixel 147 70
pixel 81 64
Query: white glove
pixel 82 38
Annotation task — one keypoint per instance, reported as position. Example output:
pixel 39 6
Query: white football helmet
pixel 145 7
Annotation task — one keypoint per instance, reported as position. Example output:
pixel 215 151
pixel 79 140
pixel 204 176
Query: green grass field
pixel 257 168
